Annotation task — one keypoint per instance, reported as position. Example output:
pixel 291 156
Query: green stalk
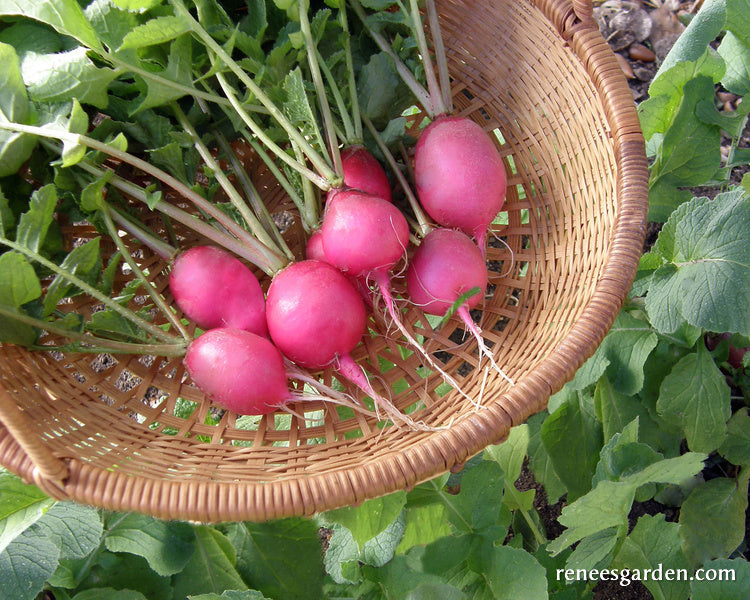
pixel 342 135
pixel 168 83
pixel 351 78
pixel 424 226
pixel 440 56
pixel 307 206
pixel 436 94
pixel 90 290
pixel 190 221
pixel 318 162
pixel 156 244
pixel 310 209
pixel 419 91
pixel 538 536
pixel 234 197
pixel 268 258
pixel 322 182
pixel 350 134
pixel 138 272
pixel 256 203
pixel 283 180
pixel 97 344
pixel 325 108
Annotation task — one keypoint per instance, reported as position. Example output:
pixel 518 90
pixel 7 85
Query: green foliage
pixel 264 557
pixel 712 518
pixel 679 117
pixel 15 148
pixel 704 271
pixel 653 542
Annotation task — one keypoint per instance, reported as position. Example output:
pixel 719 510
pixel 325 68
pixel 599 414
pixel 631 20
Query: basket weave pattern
pixel 110 431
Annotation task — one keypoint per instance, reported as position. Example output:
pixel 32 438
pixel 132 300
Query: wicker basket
pixel 111 432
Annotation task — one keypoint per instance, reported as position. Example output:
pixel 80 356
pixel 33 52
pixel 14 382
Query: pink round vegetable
pixel 460 177
pixel 445 265
pixel 314 247
pixel 215 289
pixel 238 370
pixel 363 172
pixel 363 234
pixel 315 315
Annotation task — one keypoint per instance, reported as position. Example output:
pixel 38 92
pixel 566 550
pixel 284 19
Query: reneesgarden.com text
pixel 626 576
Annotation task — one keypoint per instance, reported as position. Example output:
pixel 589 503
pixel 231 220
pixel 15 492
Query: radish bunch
pixel 315 312
pixel 233 362
pixel 312 317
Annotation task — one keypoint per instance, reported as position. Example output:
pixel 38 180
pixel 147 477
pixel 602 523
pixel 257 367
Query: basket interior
pixel 515 75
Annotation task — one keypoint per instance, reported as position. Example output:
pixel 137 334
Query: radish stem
pixel 267 258
pixel 294 134
pixel 440 56
pixel 351 78
pixel 155 296
pixel 322 182
pixel 256 203
pixel 123 311
pixel 147 238
pixel 436 95
pixel 325 108
pixel 310 205
pixel 190 221
pixel 96 344
pixel 423 223
pixel 282 179
pixel 234 197
pixel 168 83
pixel 349 128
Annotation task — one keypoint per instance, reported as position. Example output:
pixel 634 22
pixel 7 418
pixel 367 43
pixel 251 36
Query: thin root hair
pixel 510 250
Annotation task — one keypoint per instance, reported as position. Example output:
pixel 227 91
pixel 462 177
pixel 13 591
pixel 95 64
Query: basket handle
pixel 584 10
pixel 50 472
pixel 569 16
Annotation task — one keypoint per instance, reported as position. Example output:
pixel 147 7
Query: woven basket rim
pixel 439 452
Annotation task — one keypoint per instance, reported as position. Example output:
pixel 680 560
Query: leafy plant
pixel 680 118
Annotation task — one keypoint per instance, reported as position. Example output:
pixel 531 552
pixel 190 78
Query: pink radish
pixel 314 314
pixel 314 251
pixel 314 246
pixel 446 265
pixel 460 177
pixel 363 172
pixel 363 234
pixel 245 373
pixel 365 237
pixel 215 289
pixel 238 370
